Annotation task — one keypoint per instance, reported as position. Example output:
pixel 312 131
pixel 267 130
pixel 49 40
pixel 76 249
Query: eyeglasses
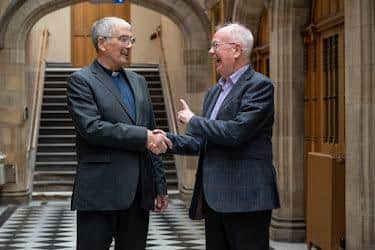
pixel 125 40
pixel 215 45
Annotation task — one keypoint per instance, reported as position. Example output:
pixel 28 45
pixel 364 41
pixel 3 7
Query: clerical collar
pixel 108 71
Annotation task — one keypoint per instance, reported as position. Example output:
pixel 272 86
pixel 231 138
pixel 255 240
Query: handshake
pixel 157 141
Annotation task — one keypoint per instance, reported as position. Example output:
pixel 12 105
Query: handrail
pixel 38 92
pixel 166 85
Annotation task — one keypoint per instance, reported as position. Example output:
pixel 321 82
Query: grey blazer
pixel 235 171
pixel 111 145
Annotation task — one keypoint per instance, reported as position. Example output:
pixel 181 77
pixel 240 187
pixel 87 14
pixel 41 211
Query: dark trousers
pixel 129 228
pixel 237 231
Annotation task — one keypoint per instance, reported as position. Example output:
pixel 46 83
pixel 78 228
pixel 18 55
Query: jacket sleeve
pixel 184 144
pixel 89 124
pixel 256 109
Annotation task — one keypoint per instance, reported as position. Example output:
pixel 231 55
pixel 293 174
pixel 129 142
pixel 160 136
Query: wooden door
pixel 83 15
pixel 260 56
pixel 324 141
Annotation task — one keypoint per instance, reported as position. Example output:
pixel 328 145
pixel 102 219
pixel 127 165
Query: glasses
pixel 126 40
pixel 215 45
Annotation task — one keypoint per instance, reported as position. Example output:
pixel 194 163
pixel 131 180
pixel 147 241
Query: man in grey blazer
pixel 118 177
pixel 235 189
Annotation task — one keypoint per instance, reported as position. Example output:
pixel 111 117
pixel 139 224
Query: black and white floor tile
pixel 52 226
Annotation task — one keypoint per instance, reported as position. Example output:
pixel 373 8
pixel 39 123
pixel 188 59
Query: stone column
pixel 360 123
pixel 286 66
pixel 13 125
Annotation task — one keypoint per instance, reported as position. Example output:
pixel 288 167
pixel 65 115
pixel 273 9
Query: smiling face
pixel 113 53
pixel 225 53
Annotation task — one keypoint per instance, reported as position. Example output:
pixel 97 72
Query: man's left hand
pixel 161 203
pixel 185 114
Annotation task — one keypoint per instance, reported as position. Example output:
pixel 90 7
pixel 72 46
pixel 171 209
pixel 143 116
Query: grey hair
pixel 105 27
pixel 239 33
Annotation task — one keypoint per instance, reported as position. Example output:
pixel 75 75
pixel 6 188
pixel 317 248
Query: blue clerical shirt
pixel 121 82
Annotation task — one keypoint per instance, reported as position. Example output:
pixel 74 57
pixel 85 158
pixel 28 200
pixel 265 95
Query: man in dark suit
pixel 118 177
pixel 235 189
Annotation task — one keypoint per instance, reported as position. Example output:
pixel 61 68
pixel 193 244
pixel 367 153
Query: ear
pixel 237 51
pixel 102 44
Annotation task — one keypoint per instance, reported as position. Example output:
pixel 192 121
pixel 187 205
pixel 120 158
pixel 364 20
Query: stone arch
pixel 15 24
pixel 249 16
pixel 189 16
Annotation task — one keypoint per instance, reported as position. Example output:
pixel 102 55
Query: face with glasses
pixel 114 50
pixel 224 52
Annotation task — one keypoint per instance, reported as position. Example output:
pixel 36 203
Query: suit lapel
pixel 211 101
pixel 137 92
pixel 107 82
pixel 237 87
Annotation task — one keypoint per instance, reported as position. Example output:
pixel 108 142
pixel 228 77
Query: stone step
pixel 55 91
pixel 56 166
pixel 54 98
pixel 160 113
pixel 153 78
pixel 60 77
pixel 54 130
pixel 160 106
pixel 156 92
pixel 157 99
pixel 56 147
pixel 55 84
pixel 58 65
pixel 56 122
pixel 55 114
pixel 168 163
pixel 53 195
pixel 60 70
pixel 57 139
pixel 56 156
pixel 161 121
pixel 172 182
pixel 62 185
pixel 55 106
pixel 54 175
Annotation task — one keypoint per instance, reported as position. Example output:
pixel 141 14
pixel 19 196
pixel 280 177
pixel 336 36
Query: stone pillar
pixel 14 124
pixel 360 123
pixel 286 58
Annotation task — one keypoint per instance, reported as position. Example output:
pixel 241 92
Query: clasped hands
pixel 157 140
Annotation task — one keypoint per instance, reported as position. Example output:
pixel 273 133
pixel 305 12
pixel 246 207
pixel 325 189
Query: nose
pixel 211 51
pixel 129 45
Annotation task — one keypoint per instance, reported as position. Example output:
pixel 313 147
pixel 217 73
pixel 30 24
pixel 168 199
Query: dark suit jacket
pixel 235 171
pixel 110 145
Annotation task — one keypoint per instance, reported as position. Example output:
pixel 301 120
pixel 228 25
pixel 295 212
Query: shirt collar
pixel 108 71
pixel 233 78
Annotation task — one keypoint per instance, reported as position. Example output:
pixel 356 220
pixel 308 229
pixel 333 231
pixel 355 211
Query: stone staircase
pixel 56 161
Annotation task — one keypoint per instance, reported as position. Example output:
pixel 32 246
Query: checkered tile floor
pixel 52 226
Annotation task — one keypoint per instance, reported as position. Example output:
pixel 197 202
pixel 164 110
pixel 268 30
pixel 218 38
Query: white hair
pixel 239 33
pixel 105 26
